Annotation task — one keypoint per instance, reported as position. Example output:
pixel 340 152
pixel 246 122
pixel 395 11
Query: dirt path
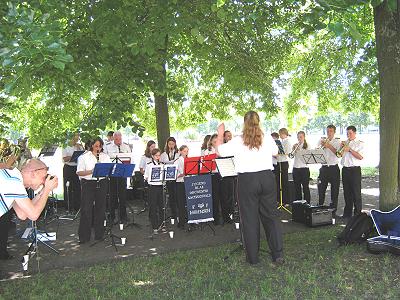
pixel 139 241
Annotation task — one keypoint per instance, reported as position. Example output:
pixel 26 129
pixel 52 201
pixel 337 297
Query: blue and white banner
pixel 199 198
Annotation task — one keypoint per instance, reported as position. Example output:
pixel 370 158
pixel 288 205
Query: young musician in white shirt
pixel 283 166
pixel 170 156
pixel 256 186
pixel 180 186
pixel 146 158
pixel 329 172
pixel 155 192
pixel 227 190
pixel 69 174
pixel 94 192
pixel 353 154
pixel 301 172
pixel 204 146
pixel 215 182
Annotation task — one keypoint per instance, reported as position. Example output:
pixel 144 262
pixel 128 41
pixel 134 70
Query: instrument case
pixel 311 215
pixel 387 225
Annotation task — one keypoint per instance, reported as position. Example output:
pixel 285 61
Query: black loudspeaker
pixel 312 216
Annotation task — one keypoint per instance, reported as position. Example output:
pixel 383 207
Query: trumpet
pixel 7 150
pixel 293 153
pixel 340 151
pixel 325 141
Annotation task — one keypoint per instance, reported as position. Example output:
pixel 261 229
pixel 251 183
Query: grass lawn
pixel 315 268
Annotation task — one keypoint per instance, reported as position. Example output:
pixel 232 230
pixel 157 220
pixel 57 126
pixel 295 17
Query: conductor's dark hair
pixel 352 128
pixel 332 126
pixel 204 146
pixel 98 139
pixel 170 139
pixel 214 136
pixel 110 133
pixel 147 151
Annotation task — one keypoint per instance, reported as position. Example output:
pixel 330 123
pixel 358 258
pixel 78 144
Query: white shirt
pixel 11 189
pixel 147 172
pixel 144 160
pixel 348 160
pixel 299 158
pixel 250 160
pixel 171 158
pixel 180 169
pixel 202 152
pixel 287 146
pixel 331 158
pixel 69 151
pixel 112 150
pixel 87 161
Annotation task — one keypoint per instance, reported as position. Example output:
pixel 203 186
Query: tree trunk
pixel 162 119
pixel 161 101
pixel 387 35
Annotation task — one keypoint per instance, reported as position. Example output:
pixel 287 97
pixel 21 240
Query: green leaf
pixel 194 31
pixel 375 3
pixel 4 51
pixel 59 65
pixel 200 39
pixel 54 46
pixel 7 62
pixel 337 28
pixel 221 14
pixel 392 5
pixel 354 32
pixel 220 3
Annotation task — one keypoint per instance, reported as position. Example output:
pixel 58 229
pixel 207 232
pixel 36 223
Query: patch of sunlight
pixel 367 204
pixel 153 249
pixel 285 221
pixel 141 283
pixel 371 192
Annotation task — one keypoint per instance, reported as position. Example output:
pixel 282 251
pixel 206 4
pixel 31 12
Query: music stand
pixel 48 151
pixel 316 156
pixel 68 216
pixel 108 170
pixel 200 165
pixel 163 173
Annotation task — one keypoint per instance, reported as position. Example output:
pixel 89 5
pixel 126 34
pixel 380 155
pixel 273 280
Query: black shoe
pixel 279 261
pixel 6 256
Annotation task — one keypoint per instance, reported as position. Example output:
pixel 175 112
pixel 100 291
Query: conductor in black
pixel 252 153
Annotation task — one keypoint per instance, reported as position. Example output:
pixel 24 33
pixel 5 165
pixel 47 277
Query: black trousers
pixel 156 205
pixel 257 201
pixel 282 169
pixel 118 198
pixel 329 174
pixel 5 221
pixel 351 178
pixel 181 199
pixel 171 187
pixel 301 179
pixel 74 189
pixel 93 193
pixel 227 197
pixel 216 195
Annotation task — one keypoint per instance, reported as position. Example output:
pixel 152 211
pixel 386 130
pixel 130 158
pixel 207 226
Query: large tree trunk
pixel 161 101
pixel 162 119
pixel 388 54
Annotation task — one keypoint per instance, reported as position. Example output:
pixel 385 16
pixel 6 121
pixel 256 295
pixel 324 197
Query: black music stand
pixel 108 170
pixel 48 151
pixel 200 166
pixel 316 156
pixel 68 216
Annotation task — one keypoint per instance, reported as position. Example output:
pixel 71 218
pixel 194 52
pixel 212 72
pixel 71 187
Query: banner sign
pixel 199 198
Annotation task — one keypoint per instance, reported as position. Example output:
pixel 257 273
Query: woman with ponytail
pixel 253 153
pixel 301 172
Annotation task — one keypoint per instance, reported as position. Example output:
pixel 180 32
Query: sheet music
pixel 226 166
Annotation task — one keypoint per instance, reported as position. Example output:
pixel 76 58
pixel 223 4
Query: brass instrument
pixel 340 151
pixel 293 153
pixel 8 150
